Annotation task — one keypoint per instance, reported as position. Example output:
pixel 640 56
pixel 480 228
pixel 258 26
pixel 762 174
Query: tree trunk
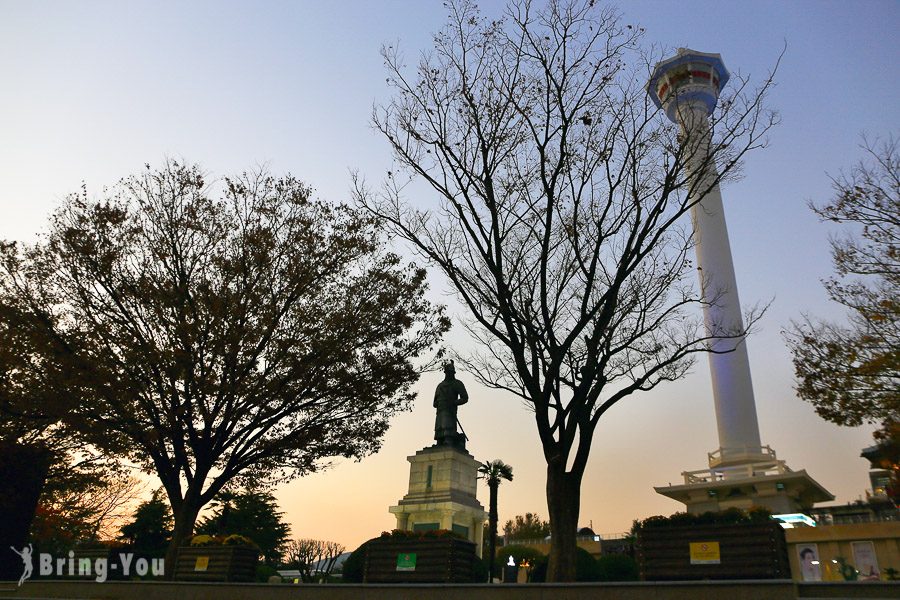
pixel 184 517
pixel 23 473
pixel 564 505
pixel 492 531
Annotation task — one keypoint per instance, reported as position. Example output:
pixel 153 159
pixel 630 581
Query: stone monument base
pixel 442 487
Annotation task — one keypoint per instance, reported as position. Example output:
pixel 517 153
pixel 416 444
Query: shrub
pixel 586 568
pixel 405 534
pixel 617 567
pixel 729 516
pixel 264 572
pixel 519 553
pixel 352 570
pixel 218 540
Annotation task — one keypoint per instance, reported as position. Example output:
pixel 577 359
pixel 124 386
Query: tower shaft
pixel 729 364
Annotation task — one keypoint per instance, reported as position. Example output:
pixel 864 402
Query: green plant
pixel 219 540
pixel 494 472
pixel 759 514
pixel 251 513
pixel 729 516
pixel 617 567
pixel 650 522
pixel 586 568
pixel 352 571
pixel 847 571
pixel 405 534
pixel 264 572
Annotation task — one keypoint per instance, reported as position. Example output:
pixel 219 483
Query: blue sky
pixel 91 91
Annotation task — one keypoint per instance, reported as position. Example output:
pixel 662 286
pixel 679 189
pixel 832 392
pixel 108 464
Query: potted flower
pixel 731 544
pixel 434 556
pixel 217 558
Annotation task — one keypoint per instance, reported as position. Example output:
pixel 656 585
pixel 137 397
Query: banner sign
pixel 705 553
pixel 406 562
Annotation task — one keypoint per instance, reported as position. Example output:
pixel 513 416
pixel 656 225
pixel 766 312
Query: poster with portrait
pixel 865 560
pixel 808 555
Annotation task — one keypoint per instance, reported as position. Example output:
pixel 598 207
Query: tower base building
pixel 761 481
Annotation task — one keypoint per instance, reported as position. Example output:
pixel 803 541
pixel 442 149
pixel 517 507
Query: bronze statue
pixel 449 394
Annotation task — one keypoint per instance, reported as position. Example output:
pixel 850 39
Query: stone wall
pixel 711 590
pixel 833 541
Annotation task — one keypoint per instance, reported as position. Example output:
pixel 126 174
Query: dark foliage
pixel 850 372
pixel 354 566
pixel 253 514
pixel 213 333
pixel 150 529
pixel 529 526
pixel 617 567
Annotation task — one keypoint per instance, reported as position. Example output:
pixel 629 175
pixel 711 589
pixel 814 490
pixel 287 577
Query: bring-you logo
pixel 97 567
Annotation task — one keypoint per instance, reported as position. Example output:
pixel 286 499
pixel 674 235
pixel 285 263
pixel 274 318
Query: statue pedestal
pixel 442 486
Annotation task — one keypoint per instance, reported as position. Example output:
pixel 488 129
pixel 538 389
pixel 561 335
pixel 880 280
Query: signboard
pixel 202 563
pixel 866 561
pixel 808 555
pixel 406 562
pixel 705 553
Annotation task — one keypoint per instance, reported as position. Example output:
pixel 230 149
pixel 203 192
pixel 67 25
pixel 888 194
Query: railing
pixel 855 513
pixel 581 538
pixel 717 457
pixel 757 469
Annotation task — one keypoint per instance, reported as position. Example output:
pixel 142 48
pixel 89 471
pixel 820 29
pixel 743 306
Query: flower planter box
pixel 430 560
pixel 216 563
pixel 745 551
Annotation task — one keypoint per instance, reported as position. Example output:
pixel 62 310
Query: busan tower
pixel 742 472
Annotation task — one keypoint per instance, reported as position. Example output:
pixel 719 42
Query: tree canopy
pixel 216 331
pixel 529 526
pixel 80 493
pixel 850 371
pixel 559 219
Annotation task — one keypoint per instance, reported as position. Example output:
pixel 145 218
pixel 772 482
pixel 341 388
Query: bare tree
pixel 559 221
pixel 315 559
pixel 108 505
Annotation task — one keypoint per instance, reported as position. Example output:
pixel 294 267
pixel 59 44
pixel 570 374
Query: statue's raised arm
pixel 449 394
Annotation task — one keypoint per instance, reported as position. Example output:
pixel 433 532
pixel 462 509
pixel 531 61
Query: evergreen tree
pixel 253 514
pixel 151 527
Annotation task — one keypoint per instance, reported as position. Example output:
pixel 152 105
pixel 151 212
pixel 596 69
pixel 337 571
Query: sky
pixel 93 90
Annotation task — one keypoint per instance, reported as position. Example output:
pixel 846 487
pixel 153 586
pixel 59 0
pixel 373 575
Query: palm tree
pixel 493 472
